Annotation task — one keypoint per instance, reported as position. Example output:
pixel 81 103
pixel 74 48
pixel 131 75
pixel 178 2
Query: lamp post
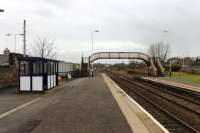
pixel 170 59
pixel 15 38
pixel 92 67
pixel 93 38
pixel 1 10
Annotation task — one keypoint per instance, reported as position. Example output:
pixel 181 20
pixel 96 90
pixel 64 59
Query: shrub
pixel 175 67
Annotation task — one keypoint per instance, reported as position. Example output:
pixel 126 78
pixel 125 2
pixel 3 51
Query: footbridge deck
pixel 155 68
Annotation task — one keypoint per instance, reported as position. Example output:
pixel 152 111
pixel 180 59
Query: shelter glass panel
pixel 37 67
pixel 45 67
pixel 49 67
pixel 24 68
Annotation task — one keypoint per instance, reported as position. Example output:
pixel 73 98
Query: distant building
pixel 187 61
pixel 9 68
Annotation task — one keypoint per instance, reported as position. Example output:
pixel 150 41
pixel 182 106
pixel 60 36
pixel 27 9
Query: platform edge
pixel 141 113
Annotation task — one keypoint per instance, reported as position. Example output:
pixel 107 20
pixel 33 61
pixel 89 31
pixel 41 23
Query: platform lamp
pixel 15 38
pixel 1 10
pixel 170 59
pixel 93 38
pixel 93 48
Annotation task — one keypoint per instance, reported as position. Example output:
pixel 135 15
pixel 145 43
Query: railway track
pixel 177 112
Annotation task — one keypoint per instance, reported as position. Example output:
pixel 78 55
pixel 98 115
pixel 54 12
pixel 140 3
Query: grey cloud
pixel 126 23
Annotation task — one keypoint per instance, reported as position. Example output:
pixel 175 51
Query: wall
pixel 8 76
pixel 9 72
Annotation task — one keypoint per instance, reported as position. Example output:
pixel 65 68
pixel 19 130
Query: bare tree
pixel 44 48
pixel 159 50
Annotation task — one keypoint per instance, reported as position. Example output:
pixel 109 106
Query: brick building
pixel 9 69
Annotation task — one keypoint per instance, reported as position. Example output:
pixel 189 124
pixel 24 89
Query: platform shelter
pixel 37 74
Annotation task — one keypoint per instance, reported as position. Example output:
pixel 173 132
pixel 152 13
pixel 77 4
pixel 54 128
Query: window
pixel 24 68
pixel 55 67
pixel 49 67
pixel 52 67
pixel 45 67
pixel 37 67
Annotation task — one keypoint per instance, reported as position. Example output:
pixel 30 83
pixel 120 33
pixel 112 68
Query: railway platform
pixel 85 105
pixel 176 83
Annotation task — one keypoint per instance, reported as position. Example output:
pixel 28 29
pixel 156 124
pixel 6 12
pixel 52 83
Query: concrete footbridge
pixel 154 66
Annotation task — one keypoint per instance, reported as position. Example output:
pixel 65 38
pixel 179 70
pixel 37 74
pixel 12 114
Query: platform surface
pixel 174 82
pixel 9 99
pixel 84 105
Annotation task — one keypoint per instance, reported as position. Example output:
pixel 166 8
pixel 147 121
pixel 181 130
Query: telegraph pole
pixel 24 28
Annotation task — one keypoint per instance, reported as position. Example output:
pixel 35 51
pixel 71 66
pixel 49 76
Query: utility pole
pixel 24 28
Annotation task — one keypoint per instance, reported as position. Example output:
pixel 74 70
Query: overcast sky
pixel 124 25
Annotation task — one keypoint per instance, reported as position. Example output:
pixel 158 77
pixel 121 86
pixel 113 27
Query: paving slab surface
pixel 9 99
pixel 179 81
pixel 84 105
pixel 174 82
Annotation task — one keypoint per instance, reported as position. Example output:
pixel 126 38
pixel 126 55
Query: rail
pixel 173 113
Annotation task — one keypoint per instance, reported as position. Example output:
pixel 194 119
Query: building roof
pixel 34 58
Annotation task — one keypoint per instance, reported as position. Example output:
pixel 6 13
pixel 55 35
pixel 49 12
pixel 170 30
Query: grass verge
pixel 192 78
